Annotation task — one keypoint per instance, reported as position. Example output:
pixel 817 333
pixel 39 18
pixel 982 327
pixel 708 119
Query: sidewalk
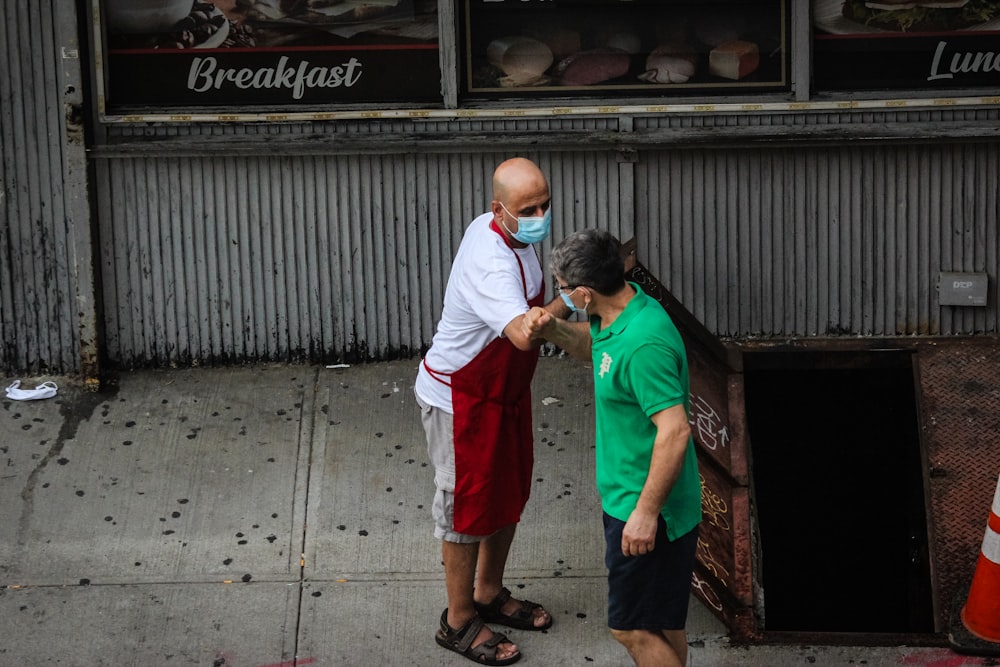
pixel 278 515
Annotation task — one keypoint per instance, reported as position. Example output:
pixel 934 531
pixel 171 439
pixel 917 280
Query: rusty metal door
pixel 723 578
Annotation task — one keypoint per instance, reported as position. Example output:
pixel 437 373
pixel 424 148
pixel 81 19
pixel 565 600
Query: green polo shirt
pixel 640 368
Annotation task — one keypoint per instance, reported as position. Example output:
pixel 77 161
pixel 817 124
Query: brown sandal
pixel 460 641
pixel 522 619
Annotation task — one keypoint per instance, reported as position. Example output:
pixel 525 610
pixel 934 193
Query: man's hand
pixel 669 450
pixel 535 322
pixel 639 535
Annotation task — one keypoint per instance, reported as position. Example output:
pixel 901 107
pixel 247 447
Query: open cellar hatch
pixel 839 492
pixel 813 485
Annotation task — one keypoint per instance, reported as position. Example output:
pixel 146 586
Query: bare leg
pixel 459 575
pixel 653 649
pixel 678 641
pixel 492 564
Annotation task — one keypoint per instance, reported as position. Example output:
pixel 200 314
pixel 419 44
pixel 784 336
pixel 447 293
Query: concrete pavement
pixel 279 515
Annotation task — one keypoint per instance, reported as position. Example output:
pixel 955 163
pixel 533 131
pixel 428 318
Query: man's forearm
pixel 669 450
pixel 664 469
pixel 541 324
pixel 573 337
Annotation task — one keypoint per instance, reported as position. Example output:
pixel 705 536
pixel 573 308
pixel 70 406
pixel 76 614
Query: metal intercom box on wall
pixel 962 289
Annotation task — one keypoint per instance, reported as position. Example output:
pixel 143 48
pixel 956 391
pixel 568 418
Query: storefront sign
pixel 922 46
pixel 239 53
pixel 272 77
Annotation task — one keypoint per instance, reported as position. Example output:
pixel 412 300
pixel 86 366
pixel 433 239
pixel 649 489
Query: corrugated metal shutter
pixel 822 241
pixel 38 269
pixel 211 259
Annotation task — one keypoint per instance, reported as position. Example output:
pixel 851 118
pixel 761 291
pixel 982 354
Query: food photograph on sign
pixel 915 45
pixel 638 46
pixel 183 24
pixel 270 52
pixel 867 16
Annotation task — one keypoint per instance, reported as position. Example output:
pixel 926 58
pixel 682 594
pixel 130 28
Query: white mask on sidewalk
pixel 44 390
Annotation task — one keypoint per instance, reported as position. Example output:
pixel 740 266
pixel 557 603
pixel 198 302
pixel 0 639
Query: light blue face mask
pixel 569 302
pixel 530 229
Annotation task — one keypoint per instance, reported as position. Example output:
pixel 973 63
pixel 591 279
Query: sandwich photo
pixel 921 16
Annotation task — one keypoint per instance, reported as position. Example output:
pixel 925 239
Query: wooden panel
pixel 722 578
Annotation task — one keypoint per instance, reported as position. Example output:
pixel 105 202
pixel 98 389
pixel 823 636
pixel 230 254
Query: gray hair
pixel 591 257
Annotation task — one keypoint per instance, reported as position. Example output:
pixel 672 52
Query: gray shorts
pixel 438 426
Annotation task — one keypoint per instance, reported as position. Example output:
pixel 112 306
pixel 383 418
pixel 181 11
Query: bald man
pixel 473 389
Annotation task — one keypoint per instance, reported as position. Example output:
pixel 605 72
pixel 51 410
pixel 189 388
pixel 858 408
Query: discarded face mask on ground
pixel 44 390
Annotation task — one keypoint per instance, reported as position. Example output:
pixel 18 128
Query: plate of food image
pixel 852 17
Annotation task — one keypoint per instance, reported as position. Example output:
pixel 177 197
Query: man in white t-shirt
pixel 473 389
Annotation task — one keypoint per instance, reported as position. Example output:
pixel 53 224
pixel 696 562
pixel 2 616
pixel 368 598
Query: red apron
pixel 494 442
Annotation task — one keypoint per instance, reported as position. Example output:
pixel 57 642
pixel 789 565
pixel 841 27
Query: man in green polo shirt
pixel 647 472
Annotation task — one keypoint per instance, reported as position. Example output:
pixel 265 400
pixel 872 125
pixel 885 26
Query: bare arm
pixel 669 448
pixel 574 337
pixel 522 335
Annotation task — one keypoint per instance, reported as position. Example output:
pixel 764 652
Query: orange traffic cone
pixel 981 613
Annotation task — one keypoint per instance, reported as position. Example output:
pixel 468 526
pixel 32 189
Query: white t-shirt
pixel 484 294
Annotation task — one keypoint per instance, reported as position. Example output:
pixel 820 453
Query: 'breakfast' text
pixel 205 75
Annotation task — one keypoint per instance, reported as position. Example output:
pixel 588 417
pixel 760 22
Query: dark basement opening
pixel 838 480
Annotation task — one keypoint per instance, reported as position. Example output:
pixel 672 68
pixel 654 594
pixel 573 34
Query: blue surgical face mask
pixel 569 303
pixel 530 229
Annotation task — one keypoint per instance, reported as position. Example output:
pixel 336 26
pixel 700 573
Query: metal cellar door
pixel 723 576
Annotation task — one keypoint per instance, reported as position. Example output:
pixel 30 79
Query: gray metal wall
pixel 46 315
pixel 345 256
pixel 823 240
pixel 208 259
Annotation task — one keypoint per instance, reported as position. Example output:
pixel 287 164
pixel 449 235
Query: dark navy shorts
pixel 651 591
